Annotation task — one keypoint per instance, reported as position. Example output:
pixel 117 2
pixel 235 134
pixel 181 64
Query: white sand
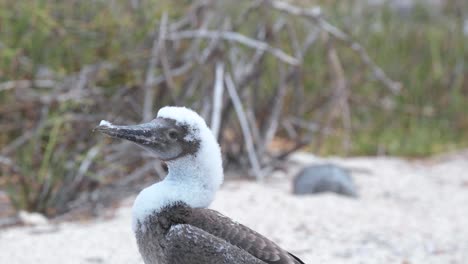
pixel 408 212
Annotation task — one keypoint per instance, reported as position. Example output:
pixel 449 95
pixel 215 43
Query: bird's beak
pixel 143 134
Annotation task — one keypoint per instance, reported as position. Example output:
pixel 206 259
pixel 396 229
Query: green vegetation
pixel 426 51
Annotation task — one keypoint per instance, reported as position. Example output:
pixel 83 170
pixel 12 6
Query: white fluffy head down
pixel 192 179
pixel 183 115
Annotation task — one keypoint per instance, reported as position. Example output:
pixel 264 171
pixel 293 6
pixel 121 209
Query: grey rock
pixel 324 178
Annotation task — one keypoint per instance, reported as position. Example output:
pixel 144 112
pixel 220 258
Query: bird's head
pixel 175 132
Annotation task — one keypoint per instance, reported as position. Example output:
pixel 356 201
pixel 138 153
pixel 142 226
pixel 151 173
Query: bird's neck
pixel 192 179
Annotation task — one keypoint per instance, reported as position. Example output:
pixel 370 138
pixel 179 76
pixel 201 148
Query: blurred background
pixel 330 77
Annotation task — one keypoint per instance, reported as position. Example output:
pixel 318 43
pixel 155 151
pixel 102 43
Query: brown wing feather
pixel 241 236
pixel 189 244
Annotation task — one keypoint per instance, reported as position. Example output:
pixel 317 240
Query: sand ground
pixel 407 212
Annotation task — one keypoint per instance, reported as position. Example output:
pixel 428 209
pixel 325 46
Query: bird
pixel 171 219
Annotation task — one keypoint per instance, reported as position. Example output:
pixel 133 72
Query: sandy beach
pixel 407 212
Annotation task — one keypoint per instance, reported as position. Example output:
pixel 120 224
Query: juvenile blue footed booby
pixel 171 221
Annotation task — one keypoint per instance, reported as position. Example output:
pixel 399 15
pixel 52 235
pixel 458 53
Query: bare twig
pixel 289 128
pixel 377 72
pixel 193 51
pixel 86 163
pixel 191 86
pixel 83 77
pixel 164 59
pixel 315 14
pixel 294 41
pixel 172 73
pixel 245 14
pixel 217 99
pixel 213 45
pixel 19 141
pixel 23 84
pixel 275 113
pixel 5 161
pixel 300 122
pixel 234 36
pixel 244 126
pixel 310 40
pixel 149 80
pixel 253 125
pixel 341 95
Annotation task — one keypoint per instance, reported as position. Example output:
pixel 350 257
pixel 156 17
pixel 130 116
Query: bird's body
pixel 170 219
pixel 180 234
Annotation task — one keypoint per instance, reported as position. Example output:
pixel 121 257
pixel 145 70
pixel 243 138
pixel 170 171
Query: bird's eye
pixel 172 134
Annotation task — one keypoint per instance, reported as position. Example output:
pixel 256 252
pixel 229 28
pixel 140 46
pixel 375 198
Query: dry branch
pixel 315 14
pixel 340 101
pixel 254 162
pixel 237 37
pixel 149 80
pixel 23 84
pixel 217 99
pixel 164 59
pixel 275 112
